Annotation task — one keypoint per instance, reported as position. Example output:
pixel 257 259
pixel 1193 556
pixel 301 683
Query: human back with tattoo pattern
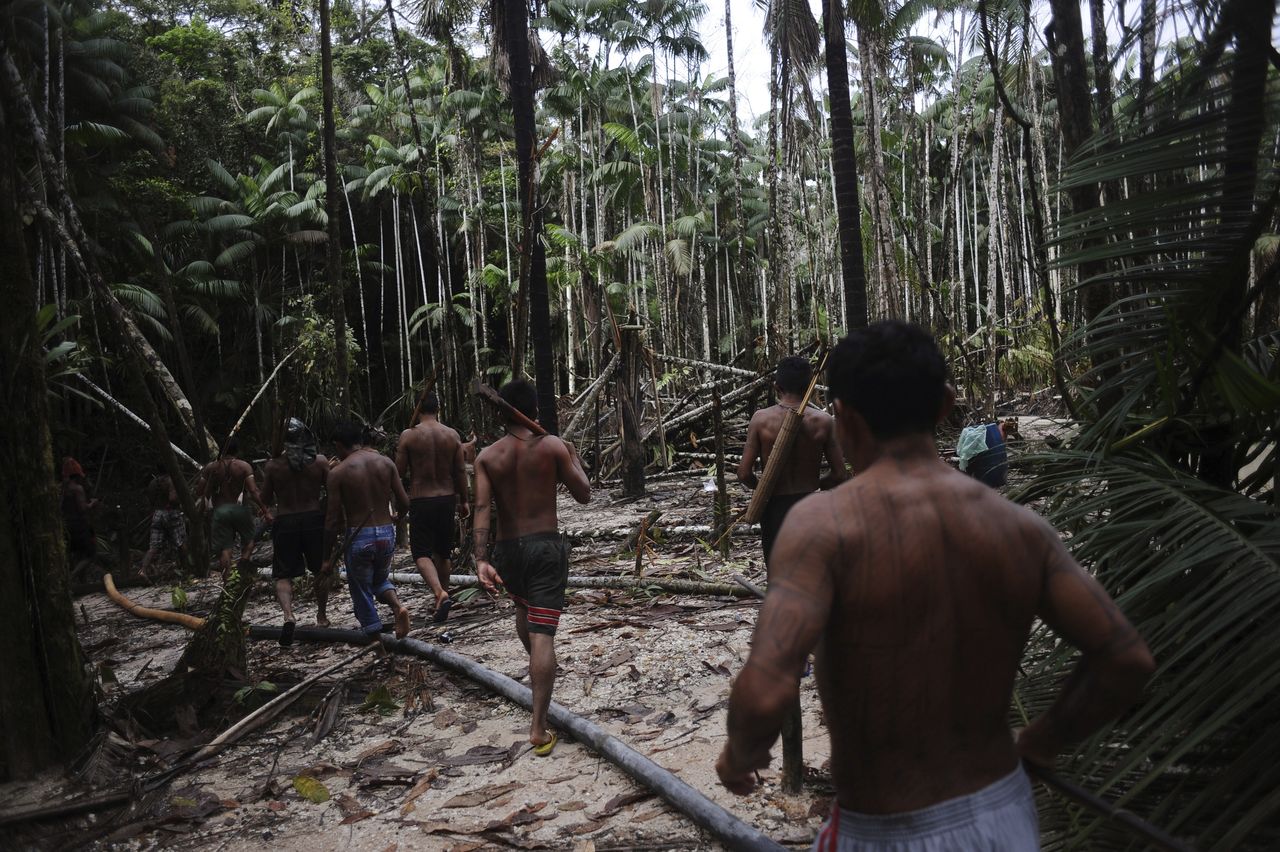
pixel 918 587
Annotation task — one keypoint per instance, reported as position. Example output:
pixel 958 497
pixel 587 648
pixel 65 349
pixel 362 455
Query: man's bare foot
pixel 402 622
pixel 543 744
pixel 322 620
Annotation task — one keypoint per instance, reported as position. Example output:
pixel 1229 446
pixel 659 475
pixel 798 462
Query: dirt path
pixel 445 765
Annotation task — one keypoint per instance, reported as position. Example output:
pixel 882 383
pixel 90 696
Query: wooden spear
pixel 491 396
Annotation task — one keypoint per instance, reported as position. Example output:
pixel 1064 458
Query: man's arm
pixel 835 459
pixel 268 485
pixel 569 470
pixel 460 481
pixel 480 527
pixel 750 452
pixel 1114 665
pixel 402 453
pixel 332 520
pixel 794 615
pixel 202 483
pixel 397 490
pixel 251 488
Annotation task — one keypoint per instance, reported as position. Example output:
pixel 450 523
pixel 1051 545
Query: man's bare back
pixel 918 586
pixel 224 480
pixel 362 488
pixel 294 490
pixel 523 472
pixel 936 580
pixel 802 473
pixel 431 454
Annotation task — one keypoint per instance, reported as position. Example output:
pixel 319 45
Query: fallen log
pixel 62 810
pixel 589 395
pixel 189 621
pixel 730 830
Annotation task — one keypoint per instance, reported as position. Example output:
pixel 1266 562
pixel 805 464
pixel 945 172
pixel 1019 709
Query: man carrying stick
pixel 520 473
pixel 295 480
pixel 919 587
pixel 430 454
pixel 361 489
pixel 815 438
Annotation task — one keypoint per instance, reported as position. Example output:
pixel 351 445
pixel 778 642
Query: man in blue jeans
pixel 361 489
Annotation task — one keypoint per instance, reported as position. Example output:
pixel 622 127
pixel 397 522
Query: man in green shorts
pixel 223 482
pixel 520 473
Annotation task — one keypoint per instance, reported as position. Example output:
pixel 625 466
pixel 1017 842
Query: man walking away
pixel 294 481
pixel 82 545
pixel 361 489
pixel 224 482
pixel 168 527
pixel 520 473
pixel 919 587
pixel 815 438
pixel 430 455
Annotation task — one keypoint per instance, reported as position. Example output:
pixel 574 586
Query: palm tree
pixel 1169 491
pixel 513 15
pixel 844 163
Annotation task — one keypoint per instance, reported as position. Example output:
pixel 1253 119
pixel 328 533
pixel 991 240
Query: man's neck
pixel 425 419
pixel 790 400
pixel 907 449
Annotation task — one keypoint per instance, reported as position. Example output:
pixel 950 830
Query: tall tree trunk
pixel 740 274
pixel 1250 24
pixel 47 703
pixel 332 190
pixel 516 30
pixel 1071 79
pixel 844 162
pixel 886 261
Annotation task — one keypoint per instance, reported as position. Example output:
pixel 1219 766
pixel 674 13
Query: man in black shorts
pixel 520 473
pixel 430 455
pixel 294 480
pixel 816 437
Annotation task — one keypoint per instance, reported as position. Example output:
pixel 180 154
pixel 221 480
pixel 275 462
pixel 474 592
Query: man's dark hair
pixel 232 446
pixel 348 433
pixel 893 374
pixel 430 403
pixel 793 374
pixel 522 396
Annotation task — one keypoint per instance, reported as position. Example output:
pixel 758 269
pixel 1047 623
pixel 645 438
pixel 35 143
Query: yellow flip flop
pixel 546 748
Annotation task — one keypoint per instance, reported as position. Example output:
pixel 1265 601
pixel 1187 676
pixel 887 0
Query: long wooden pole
pixel 491 396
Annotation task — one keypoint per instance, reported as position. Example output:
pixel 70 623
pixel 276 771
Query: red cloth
pixel 71 467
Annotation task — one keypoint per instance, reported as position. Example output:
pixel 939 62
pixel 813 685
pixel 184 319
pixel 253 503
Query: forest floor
pixel 438 762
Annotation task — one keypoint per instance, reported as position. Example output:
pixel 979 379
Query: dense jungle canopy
pixel 1078 199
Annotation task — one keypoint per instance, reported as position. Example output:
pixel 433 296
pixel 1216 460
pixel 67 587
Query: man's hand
pixel 737 781
pixel 464 509
pixel 267 517
pixel 1036 748
pixel 326 567
pixel 488 576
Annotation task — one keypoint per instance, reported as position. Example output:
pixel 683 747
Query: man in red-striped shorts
pixel 520 473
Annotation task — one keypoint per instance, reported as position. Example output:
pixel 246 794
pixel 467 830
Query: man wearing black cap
pixel 294 480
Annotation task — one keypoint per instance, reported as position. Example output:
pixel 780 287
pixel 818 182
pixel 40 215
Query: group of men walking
pixel 915 586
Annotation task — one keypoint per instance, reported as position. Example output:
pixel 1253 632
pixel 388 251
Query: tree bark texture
pixel 844 163
pixel 332 196
pixel 47 703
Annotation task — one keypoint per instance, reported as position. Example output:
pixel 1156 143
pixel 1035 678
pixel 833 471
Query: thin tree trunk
pixel 845 168
pixel 333 252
